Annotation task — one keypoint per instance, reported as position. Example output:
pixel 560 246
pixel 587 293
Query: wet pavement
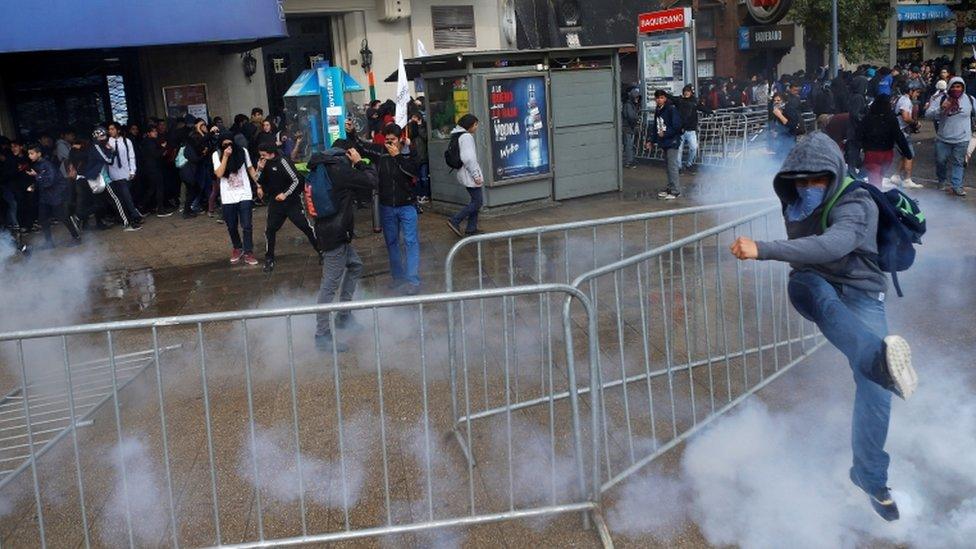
pixel 176 267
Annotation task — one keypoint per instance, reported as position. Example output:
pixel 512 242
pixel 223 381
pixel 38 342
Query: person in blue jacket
pixel 51 188
pixel 666 133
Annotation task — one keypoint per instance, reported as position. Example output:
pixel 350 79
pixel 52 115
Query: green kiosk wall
pixel 549 121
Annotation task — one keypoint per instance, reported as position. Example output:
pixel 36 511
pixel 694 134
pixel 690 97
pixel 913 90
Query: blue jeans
pixel 470 211
pixel 854 321
pixel 691 138
pixel 423 180
pixel 239 212
pixel 402 220
pixel 950 157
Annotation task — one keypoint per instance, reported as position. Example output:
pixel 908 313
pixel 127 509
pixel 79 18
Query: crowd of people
pixel 870 112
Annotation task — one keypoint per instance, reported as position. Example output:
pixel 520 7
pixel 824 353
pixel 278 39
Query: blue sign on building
pixel 743 38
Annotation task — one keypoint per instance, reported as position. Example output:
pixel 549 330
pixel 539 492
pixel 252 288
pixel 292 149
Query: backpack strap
pixel 846 184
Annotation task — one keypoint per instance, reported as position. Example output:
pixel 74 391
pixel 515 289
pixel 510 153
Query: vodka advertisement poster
pixel 519 127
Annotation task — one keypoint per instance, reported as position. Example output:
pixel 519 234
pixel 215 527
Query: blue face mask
pixel 810 198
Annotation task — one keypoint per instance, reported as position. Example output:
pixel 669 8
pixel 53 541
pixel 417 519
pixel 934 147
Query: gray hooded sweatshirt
pixel 954 128
pixel 844 253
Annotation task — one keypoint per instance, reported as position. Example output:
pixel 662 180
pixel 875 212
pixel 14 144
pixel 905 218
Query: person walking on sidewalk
pixel 349 176
pixel 666 133
pixel 836 283
pixel 688 108
pixel 51 187
pixel 232 165
pixel 469 175
pixel 630 117
pixel 954 114
pixel 278 178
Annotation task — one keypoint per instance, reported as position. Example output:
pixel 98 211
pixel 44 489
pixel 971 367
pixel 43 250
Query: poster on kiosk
pixel 519 127
pixel 666 48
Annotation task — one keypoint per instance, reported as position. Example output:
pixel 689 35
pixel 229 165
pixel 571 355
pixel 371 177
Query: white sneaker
pixel 909 184
pixel 662 194
pixel 895 180
pixel 898 359
pixel 887 185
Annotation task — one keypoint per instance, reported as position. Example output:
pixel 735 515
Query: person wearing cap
pixel 955 113
pixel 689 107
pixel 631 116
pixel 109 147
pixel 836 283
pixel 665 132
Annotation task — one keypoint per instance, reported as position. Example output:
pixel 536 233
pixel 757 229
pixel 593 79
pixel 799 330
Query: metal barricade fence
pixel 722 139
pixel 248 436
pixel 686 332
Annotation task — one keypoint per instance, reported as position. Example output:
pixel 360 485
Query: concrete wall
pixel 228 91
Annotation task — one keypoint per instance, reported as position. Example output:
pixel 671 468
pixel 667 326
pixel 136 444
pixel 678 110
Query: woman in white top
pixel 469 175
pixel 232 164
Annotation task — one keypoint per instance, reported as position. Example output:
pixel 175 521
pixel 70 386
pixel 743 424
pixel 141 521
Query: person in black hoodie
pixel 878 135
pixel 279 180
pixel 350 175
pixel 688 108
pixel 397 172
pixel 151 171
pixel 50 186
pixel 665 132
pixel 195 151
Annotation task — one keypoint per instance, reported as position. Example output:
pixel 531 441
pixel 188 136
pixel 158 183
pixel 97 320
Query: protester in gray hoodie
pixel 953 115
pixel 836 283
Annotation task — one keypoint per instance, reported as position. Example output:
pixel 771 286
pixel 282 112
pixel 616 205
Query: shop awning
pixel 924 12
pixel 949 38
pixel 94 24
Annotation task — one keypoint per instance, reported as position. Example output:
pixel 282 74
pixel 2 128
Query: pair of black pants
pixel 89 203
pixel 47 212
pixel 120 197
pixel 154 190
pixel 277 213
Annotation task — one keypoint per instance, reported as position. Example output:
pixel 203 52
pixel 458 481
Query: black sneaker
pixel 269 264
pixel 455 228
pixel 324 343
pixel 881 500
pixel 898 366
pixel 411 289
pixel 348 323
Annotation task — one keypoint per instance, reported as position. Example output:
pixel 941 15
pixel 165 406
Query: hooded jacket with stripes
pixel 279 176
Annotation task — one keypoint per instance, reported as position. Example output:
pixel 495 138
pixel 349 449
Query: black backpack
pixel 901 225
pixel 452 156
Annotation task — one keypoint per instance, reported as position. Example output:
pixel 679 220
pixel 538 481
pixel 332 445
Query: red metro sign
pixel 767 12
pixel 664 20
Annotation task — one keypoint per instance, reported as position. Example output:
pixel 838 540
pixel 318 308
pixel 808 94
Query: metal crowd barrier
pixel 686 332
pixel 247 436
pixel 250 437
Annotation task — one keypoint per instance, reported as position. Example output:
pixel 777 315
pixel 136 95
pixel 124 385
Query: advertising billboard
pixel 518 127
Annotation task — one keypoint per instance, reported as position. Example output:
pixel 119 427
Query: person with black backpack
pixel 837 247
pixel 336 177
pixel 279 179
pixel 462 155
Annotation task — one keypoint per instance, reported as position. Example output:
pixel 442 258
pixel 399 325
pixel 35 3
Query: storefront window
pixel 447 102
pixel 706 63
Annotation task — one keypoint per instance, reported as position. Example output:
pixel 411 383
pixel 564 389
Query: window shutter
pixel 453 27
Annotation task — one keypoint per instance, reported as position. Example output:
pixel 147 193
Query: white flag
pixel 402 95
pixel 421 50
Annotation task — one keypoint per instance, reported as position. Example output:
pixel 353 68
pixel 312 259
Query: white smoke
pixel 135 500
pixel 321 479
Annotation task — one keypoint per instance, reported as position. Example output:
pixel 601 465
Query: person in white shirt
pixel 905 111
pixel 470 175
pixel 232 164
pixel 119 155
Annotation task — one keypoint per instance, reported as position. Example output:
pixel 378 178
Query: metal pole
pixel 833 39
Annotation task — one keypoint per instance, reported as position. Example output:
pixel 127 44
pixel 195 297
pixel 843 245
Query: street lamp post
pixel 833 39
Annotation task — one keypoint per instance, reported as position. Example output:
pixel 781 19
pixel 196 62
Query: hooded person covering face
pixel 843 254
pixel 236 159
